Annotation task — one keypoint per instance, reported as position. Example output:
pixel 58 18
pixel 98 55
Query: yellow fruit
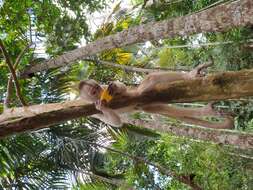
pixel 105 96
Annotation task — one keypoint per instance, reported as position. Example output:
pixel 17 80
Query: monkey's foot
pixel 228 117
pixel 209 109
pixel 228 123
pixel 201 70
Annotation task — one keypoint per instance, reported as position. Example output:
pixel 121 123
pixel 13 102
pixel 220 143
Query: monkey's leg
pixel 227 123
pixel 178 111
pixel 190 115
pixel 155 78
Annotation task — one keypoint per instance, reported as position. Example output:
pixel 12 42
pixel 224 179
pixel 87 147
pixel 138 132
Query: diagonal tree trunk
pixel 217 19
pixel 221 86
pixel 225 137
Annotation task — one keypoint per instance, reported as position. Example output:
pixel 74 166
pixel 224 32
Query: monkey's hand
pixel 109 115
pixel 114 88
pixel 108 93
pixel 101 105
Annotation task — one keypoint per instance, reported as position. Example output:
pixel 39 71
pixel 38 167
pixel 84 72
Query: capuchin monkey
pixel 91 91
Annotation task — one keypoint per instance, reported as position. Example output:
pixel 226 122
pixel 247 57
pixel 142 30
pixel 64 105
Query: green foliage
pixel 92 186
pixel 61 24
pixel 211 166
pixel 242 109
pixel 52 20
pixel 26 162
pixel 172 57
pixel 160 10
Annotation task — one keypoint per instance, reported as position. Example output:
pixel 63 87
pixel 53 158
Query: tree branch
pixel 132 68
pixel 10 83
pixel 226 137
pixel 217 19
pixel 13 73
pixel 220 86
pixel 116 182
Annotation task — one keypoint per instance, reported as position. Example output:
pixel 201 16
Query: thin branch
pixel 30 28
pixel 209 44
pixel 21 54
pixel 224 137
pixel 160 4
pixel 116 182
pixel 243 156
pixel 212 5
pixel 10 83
pixel 132 68
pixel 13 73
pixel 8 93
pixel 144 4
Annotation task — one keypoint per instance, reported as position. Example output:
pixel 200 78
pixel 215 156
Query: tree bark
pixel 217 19
pixel 221 86
pixel 225 137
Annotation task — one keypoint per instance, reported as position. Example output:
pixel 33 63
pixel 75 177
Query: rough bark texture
pixel 225 137
pixel 217 19
pixel 219 86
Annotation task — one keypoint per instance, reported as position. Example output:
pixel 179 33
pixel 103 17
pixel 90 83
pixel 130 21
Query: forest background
pixel 85 153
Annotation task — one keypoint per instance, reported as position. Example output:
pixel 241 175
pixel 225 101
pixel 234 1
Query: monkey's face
pixel 91 92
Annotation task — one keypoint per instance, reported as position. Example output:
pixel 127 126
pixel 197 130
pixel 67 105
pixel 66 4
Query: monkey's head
pixel 90 90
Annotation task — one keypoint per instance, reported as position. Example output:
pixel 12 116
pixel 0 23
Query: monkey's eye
pixel 93 91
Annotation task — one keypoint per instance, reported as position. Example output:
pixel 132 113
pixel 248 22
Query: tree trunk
pixel 225 137
pixel 221 86
pixel 217 19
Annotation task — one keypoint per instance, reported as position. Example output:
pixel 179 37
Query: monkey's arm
pixel 108 115
pixel 116 88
